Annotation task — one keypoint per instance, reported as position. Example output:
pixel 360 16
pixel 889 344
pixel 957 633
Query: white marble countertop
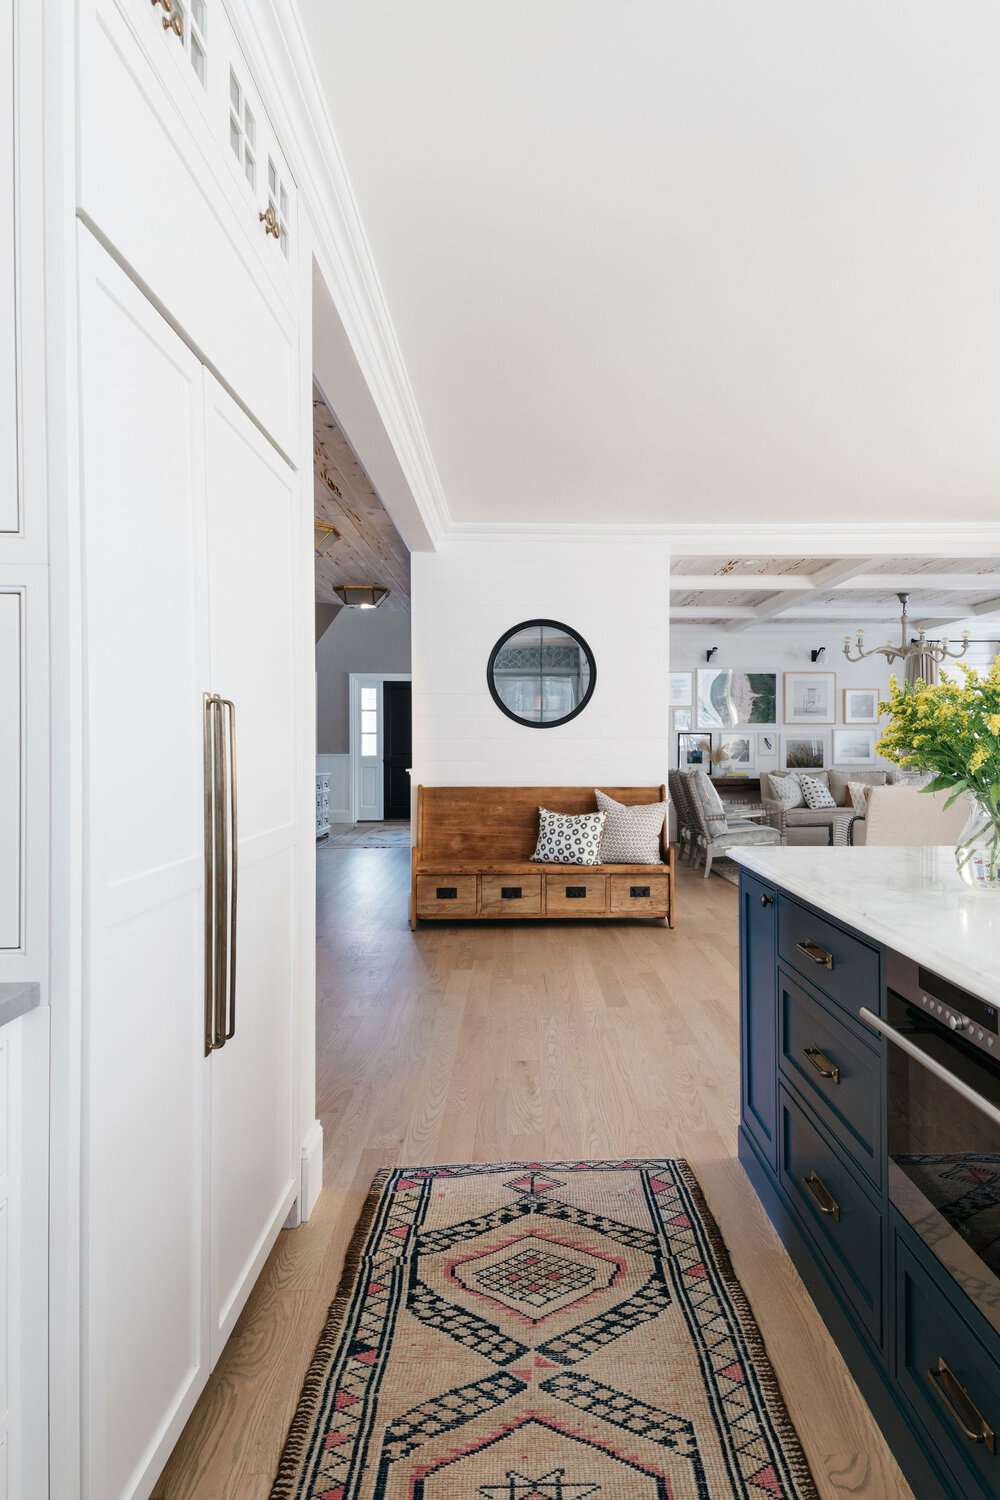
pixel 912 900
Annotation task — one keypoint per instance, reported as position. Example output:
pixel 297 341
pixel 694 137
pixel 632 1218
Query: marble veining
pixel 912 900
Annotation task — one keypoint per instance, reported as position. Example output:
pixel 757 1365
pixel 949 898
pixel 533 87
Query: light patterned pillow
pixel 787 791
pixel 568 838
pixel 631 834
pixel 859 792
pixel 815 793
pixel 708 800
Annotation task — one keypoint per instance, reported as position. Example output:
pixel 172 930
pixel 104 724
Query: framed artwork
pixel 810 697
pixel 737 753
pixel 727 698
pixel 694 750
pixel 861 705
pixel 680 690
pixel 854 747
pixel 682 718
pixel 767 750
pixel 804 752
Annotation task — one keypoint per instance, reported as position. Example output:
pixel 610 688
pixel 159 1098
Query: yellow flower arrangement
pixel 952 729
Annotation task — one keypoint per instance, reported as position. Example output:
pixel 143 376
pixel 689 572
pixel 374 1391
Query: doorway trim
pixel 356 681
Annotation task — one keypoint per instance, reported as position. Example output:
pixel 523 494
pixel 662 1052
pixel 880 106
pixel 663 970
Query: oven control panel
pixel 957 1021
pixel 964 1013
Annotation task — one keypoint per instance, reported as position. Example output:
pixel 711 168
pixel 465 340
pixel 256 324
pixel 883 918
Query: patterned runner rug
pixel 553 1331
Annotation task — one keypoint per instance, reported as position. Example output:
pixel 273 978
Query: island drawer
pixel 836 1212
pixel 837 1071
pixel 948 1377
pixel 835 961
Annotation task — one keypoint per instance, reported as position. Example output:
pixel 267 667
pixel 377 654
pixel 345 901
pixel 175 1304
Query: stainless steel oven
pixel 943 1121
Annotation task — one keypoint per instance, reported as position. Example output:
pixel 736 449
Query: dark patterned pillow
pixel 816 794
pixel 568 839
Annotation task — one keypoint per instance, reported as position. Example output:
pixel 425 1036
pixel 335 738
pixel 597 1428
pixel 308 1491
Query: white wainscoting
pixel 338 767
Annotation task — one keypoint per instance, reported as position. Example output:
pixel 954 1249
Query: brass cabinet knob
pixel 174 23
pixel 269 219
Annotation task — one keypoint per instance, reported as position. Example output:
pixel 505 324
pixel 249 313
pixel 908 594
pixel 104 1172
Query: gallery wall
pixel 779 648
pixel 467 594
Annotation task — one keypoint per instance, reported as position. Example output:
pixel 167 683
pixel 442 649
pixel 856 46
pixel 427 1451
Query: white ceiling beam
pixel 827 578
pixel 739 617
pixel 985 609
pixel 711 612
pixel 804 583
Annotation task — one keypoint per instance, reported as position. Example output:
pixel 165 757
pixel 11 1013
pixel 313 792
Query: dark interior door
pixel 396 746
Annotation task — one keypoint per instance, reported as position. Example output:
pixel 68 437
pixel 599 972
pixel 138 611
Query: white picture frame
pixel 737 752
pixel 854 747
pixel 728 699
pixel 768 745
pixel 861 705
pixel 680 690
pixel 810 697
pixel 805 752
pixel 682 718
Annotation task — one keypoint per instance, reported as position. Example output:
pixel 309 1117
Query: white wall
pixel 781 648
pixel 359 640
pixel 465 597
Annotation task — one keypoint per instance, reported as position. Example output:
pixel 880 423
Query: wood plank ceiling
pixel 367 547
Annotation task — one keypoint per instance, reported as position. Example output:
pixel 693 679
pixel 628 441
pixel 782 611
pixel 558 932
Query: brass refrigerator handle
pixel 208 768
pixel 220 877
pixel 234 862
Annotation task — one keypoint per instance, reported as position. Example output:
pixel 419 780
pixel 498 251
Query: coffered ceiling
pixel 663 262
pixel 745 591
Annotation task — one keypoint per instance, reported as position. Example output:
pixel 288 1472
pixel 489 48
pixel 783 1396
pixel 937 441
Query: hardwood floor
pixel 492 1042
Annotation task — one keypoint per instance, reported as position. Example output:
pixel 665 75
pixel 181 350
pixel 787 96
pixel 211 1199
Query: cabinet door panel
pixel 10 769
pixel 758 1015
pixel 145 1086
pixel 250 524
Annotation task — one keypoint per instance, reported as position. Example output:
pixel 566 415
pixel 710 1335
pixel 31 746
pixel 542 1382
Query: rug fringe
pixel 293 1452
pixel 790 1441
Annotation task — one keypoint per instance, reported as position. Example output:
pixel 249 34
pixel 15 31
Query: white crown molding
pixel 764 538
pixel 279 54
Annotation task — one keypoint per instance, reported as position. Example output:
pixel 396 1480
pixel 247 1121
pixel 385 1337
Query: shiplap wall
pixel 467 594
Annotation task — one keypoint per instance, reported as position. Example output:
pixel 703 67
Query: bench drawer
pixel 446 895
pixel 575 895
pixel 838 1215
pixel 513 895
pixel 837 1072
pixel 948 1377
pixel 638 895
pixel 834 961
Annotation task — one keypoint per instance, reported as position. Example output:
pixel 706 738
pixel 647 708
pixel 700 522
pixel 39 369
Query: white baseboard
pixel 312 1170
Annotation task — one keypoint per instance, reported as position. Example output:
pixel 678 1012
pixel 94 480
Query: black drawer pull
pixel 447 892
pixel 816 953
pixel 823 1198
pixel 961 1405
pixel 638 890
pixel 510 892
pixel 824 1067
pixel 574 892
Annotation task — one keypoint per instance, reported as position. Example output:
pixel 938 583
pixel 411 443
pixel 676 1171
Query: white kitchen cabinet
pixel 190 1162
pixel 11 729
pixel 9 509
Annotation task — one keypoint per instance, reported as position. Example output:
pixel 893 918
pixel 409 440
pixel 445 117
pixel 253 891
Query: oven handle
pixel 932 1066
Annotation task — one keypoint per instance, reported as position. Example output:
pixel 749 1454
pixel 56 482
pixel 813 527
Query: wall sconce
pixel 818 654
pixel 710 652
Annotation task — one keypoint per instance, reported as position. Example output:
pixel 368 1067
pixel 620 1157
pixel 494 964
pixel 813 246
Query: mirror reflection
pixel 541 673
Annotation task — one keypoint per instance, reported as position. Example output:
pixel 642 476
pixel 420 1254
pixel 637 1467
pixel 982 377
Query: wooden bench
pixel 472 858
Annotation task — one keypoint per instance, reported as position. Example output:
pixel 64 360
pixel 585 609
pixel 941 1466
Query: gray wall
pixel 359 640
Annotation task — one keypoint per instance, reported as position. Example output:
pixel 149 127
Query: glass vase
pixel 977 852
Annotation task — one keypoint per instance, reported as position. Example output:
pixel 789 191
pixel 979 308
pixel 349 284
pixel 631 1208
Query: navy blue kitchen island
pixel 874 1144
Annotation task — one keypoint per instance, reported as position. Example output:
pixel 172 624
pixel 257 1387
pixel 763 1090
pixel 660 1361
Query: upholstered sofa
pixel 825 825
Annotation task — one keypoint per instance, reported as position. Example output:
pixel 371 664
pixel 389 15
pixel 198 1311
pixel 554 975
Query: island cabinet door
pixel 758 1015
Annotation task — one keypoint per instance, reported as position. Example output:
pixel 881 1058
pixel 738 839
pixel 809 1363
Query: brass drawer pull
pixel 269 219
pixel 511 892
pixel 576 891
pixel 638 890
pixel 823 1198
pixel 816 953
pixel 447 893
pixel 824 1067
pixel 961 1405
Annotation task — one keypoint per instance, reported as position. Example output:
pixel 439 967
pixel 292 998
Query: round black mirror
pixel 541 673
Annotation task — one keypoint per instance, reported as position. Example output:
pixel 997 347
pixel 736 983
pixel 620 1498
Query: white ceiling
pixel 657 261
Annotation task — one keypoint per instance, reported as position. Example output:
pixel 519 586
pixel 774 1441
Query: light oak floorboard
pixel 497 1041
